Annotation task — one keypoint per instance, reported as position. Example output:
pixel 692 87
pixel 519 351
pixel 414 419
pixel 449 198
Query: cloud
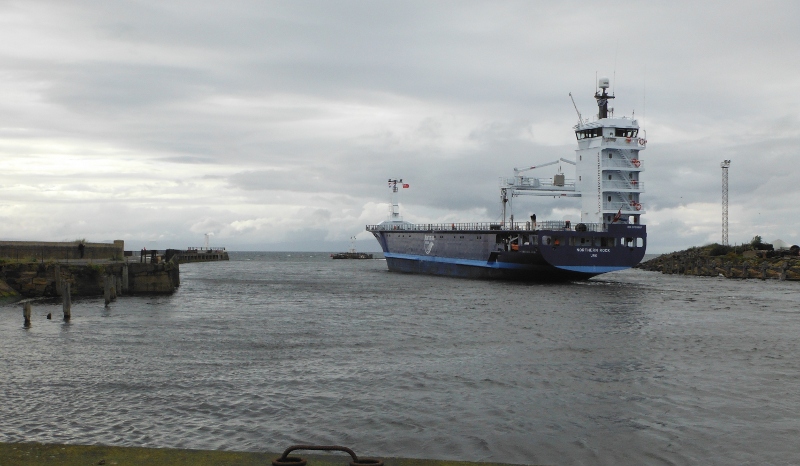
pixel 153 121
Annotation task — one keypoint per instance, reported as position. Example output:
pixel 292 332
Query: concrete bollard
pixel 66 303
pixel 107 289
pixel 26 313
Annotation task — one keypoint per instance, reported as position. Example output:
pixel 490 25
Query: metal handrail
pixel 621 184
pixel 621 206
pixel 617 163
pixel 482 226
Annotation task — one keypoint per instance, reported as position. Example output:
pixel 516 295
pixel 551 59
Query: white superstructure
pixel 607 169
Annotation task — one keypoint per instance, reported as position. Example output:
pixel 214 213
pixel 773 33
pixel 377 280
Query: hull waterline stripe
pixel 593 269
pixel 450 260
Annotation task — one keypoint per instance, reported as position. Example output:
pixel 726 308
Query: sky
pixel 275 125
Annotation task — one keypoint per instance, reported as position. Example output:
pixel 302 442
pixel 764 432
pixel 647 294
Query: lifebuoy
pixel 638 206
pixel 642 141
pixel 636 162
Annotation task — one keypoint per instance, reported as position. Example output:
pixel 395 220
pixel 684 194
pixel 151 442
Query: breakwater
pixel 699 262
pixel 46 279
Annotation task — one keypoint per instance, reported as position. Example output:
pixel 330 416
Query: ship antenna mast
pixel 580 118
pixel 395 206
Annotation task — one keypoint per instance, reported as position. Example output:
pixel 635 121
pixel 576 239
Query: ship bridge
pixel 607 165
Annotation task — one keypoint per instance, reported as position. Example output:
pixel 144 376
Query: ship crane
pixel 517 171
pixel 525 185
pixel 519 185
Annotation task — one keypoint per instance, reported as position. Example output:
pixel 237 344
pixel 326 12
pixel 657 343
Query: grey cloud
pixel 198 84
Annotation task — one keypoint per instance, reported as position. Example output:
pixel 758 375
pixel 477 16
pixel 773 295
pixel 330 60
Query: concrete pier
pixel 35 280
pixel 24 454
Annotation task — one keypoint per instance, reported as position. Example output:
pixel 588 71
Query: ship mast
pixel 602 99
pixel 394 210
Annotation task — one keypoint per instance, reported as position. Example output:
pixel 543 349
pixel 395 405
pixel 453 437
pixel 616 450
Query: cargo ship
pixel 609 237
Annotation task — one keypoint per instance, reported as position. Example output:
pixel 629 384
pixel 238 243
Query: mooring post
pixel 66 303
pixel 107 289
pixel 26 313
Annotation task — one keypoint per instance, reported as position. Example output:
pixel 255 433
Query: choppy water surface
pixel 273 349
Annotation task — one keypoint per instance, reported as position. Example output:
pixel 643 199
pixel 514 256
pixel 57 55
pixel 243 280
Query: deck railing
pixel 632 185
pixel 507 226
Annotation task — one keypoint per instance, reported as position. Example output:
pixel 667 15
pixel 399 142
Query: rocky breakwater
pixel 47 279
pixel 716 260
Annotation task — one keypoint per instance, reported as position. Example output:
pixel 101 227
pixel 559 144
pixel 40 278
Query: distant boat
pixel 351 254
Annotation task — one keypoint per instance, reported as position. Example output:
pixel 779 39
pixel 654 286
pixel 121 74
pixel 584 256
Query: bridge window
pixel 625 132
pixel 589 133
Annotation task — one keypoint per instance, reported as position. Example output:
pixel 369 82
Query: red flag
pixel 406 185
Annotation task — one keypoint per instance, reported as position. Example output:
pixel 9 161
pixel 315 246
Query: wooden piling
pixel 26 313
pixel 66 301
pixel 113 281
pixel 107 289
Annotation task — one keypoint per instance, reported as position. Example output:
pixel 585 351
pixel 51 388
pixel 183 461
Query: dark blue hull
pixel 543 255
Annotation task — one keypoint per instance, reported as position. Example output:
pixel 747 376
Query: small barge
pixel 351 254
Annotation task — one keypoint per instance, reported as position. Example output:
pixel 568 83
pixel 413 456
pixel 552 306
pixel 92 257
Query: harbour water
pixel 273 349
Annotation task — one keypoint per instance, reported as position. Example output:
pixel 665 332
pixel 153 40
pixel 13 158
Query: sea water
pixel 274 349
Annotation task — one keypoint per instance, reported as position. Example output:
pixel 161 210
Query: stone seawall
pixel 45 279
pixel 683 263
pixel 22 251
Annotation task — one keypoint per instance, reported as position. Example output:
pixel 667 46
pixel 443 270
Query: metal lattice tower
pixel 725 165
